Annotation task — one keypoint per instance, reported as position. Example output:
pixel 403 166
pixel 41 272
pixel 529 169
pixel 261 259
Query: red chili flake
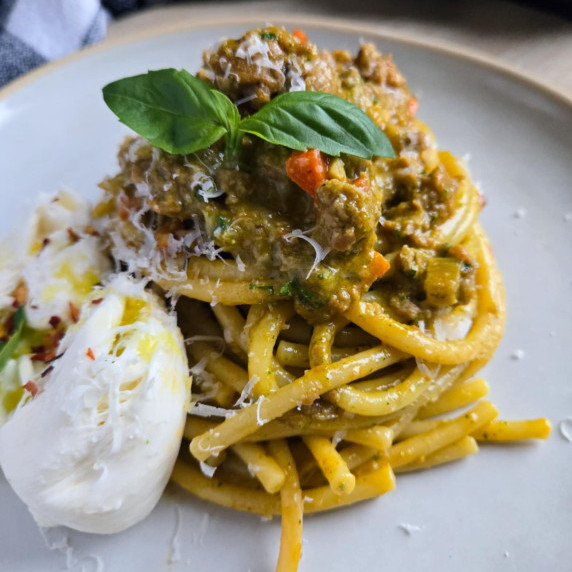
pixel 45 242
pixel 91 230
pixel 74 236
pixel 38 349
pixel 43 356
pixel 97 301
pixel 50 356
pixel 54 339
pixel 46 371
pixel 31 388
pixel 74 312
pixel 54 358
pixel 89 353
pixel 55 321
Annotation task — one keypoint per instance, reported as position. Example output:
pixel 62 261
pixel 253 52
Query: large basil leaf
pixel 7 348
pixel 315 120
pixel 172 109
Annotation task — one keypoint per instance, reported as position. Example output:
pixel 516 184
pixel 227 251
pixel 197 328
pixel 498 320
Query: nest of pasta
pixel 332 306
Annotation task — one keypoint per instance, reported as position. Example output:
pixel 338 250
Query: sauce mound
pixel 310 227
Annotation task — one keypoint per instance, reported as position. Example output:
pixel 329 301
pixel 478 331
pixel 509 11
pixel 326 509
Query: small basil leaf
pixel 8 348
pixel 230 118
pixel 228 113
pixel 216 105
pixel 173 110
pixel 314 120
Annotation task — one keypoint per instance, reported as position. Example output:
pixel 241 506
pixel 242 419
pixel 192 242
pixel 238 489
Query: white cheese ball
pixel 94 448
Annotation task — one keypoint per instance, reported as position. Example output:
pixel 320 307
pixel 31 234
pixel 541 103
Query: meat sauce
pixel 314 248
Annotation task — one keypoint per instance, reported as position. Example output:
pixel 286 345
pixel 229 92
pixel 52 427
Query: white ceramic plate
pixel 508 508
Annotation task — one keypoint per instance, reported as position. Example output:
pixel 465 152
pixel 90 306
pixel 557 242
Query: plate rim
pixel 330 23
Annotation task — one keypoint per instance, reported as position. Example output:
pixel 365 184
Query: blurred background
pixel 532 36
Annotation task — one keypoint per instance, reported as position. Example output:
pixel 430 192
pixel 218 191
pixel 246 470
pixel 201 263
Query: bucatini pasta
pixel 333 302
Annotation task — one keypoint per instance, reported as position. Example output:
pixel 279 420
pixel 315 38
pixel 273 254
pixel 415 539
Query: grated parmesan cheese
pixel 256 51
pixel 203 410
pixel 294 77
pixel 565 427
pixel 517 354
pixel 201 531
pixel 240 264
pixel 246 393
pixel 520 213
pixel 426 370
pixel 338 437
pixel 216 339
pixel 175 552
pixel 321 252
pixel 259 420
pixel 74 557
pixel 205 186
pixel 409 529
pixel 207 470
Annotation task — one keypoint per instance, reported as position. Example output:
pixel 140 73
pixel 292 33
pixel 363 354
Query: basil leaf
pixel 228 112
pixel 8 348
pixel 172 109
pixel 314 120
pixel 218 106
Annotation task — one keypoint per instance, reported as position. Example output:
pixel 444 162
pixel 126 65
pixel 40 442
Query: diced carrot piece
pixel 378 267
pixel 362 182
pixel 74 312
pixel 307 169
pixel 300 35
pixel 413 105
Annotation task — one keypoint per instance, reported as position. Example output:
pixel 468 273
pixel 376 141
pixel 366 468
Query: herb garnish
pixel 295 290
pixel 8 347
pixel 181 114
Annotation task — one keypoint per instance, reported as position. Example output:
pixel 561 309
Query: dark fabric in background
pixel 120 7
pixel 21 49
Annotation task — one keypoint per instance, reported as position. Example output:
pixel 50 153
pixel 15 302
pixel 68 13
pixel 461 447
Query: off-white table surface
pixel 533 42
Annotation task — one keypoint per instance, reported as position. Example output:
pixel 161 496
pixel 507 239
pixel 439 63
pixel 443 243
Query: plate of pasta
pixel 262 308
